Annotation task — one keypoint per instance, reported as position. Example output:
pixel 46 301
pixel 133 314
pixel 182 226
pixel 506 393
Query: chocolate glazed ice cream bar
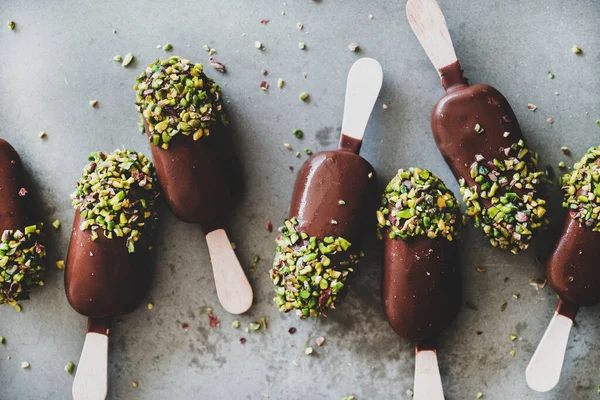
pixel 479 137
pixel 419 221
pixel 21 250
pixel 182 112
pixel 334 196
pixel 572 268
pixel 110 260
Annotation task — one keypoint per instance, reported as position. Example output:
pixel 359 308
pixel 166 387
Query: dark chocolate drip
pixel 99 325
pixel 102 279
pixel 452 75
pixel 573 266
pixel 348 143
pixel 324 180
pixel 453 122
pixel 198 178
pixel 13 207
pixel 567 309
pixel 421 287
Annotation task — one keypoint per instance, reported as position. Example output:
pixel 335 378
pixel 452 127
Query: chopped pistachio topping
pixel 306 273
pixel 416 202
pixel 582 190
pixel 127 60
pixel 69 368
pixel 175 97
pixel 116 195
pixel 60 264
pixel 11 25
pixel 503 200
pixel 56 224
pixel 304 96
pixel 21 264
pixel 168 47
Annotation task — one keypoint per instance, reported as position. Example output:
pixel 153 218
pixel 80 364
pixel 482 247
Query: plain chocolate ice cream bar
pixel 109 264
pixel 419 220
pixel 478 135
pixel 21 249
pixel 333 199
pixel 572 268
pixel 182 113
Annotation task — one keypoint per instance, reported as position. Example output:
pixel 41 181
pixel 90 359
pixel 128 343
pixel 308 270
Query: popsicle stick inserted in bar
pixel 233 289
pixel 362 89
pixel 429 25
pixel 543 371
pixel 91 378
pixel 428 382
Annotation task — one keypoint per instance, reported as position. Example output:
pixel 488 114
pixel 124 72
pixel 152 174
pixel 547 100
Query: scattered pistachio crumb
pixel 302 45
pixel 299 25
pixel 206 48
pixel 503 306
pixel 562 164
pixel 258 45
pixel 353 47
pixel 263 322
pixel 2 340
pixel 236 324
pixel 304 75
pixel 298 133
pixel 298 154
pixel 280 83
pixel 117 58
pixel 134 384
pixel 550 120
pixel 69 368
pixel 42 135
pixel 233 246
pixel 479 395
pixel 308 350
pixel 512 337
pixel 308 152
pixel 531 107
pixel 168 47
pixel 287 146
pixel 127 60
pixel 304 96
pixel 11 25
pixel 60 264
pixel 320 340
pixel 513 352
pixel 506 134
pixel 56 224
pixel 385 106
pixel 576 49
pixel 254 326
pixel 517 295
pixel 256 259
pixel 478 128
pixel 341 202
pixel 550 75
pixel 150 306
pixel 25 365
pixel 598 123
pixel 370 175
pixel 348 397
pixel 93 103
pixel 371 16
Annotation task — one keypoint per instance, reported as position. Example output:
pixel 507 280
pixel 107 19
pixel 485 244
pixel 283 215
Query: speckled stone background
pixel 61 56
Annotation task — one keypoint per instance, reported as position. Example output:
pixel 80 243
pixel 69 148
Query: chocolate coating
pixel 198 178
pixel 573 266
pixel 13 207
pixel 454 117
pixel 325 179
pixel 102 279
pixel 421 286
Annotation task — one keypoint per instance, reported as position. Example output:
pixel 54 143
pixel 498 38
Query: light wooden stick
pixel 428 382
pixel 428 23
pixel 233 289
pixel 91 378
pixel 362 89
pixel 543 371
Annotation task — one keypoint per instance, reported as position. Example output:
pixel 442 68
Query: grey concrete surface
pixel 61 56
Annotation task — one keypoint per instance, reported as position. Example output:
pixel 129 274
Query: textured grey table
pixel 60 57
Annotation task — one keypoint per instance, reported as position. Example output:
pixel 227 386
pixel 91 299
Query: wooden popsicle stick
pixel 428 382
pixel 429 25
pixel 362 89
pixel 233 289
pixel 543 371
pixel 91 377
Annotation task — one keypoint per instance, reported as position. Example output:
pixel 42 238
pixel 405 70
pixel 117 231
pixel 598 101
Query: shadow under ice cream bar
pixel 182 112
pixel 478 135
pixel 333 199
pixel 21 250
pixel 419 220
pixel 572 268
pixel 109 265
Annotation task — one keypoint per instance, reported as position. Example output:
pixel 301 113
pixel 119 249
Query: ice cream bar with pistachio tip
pixel 110 260
pixel 479 136
pixel 181 109
pixel 572 268
pixel 419 221
pixel 21 250
pixel 333 198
